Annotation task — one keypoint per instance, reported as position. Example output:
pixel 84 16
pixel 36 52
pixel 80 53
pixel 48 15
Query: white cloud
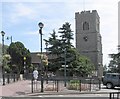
pixel 21 11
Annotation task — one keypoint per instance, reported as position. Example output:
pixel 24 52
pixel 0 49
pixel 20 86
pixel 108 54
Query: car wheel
pixel 109 85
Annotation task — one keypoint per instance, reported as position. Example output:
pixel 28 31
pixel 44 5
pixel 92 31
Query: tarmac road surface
pixel 55 97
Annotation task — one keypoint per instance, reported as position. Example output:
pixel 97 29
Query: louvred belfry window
pixel 85 26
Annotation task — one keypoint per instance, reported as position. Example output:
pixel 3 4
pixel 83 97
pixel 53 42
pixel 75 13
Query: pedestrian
pixel 35 74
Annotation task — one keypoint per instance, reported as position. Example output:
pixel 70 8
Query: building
pixel 36 61
pixel 88 38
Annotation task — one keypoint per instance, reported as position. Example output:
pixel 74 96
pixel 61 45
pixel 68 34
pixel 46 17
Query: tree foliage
pixel 54 50
pixel 61 48
pixel 80 65
pixel 7 59
pixel 17 52
pixel 114 65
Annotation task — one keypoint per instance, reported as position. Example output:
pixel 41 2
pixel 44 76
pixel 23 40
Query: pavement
pixel 23 89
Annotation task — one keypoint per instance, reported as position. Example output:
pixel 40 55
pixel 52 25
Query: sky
pixel 20 18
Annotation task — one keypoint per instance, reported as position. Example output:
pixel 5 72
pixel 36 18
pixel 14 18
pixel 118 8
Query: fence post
pixel 14 77
pixel 99 83
pixel 57 85
pixel 80 85
pixel 118 95
pixel 17 77
pixel 90 83
pixel 110 96
pixel 32 84
pixel 8 81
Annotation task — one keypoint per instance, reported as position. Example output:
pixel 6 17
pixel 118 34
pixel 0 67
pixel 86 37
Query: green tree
pixel 66 35
pixel 105 69
pixel 54 46
pixel 66 47
pixel 58 46
pixel 17 52
pixel 81 65
pixel 5 52
pixel 7 59
pixel 114 65
pixel 61 48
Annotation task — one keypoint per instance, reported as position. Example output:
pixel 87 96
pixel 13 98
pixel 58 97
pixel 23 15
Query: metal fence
pixel 70 84
pixel 9 78
pixel 114 95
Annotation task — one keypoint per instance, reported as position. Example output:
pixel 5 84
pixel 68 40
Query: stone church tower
pixel 88 38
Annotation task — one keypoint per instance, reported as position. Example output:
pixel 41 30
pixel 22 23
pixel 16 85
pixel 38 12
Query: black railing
pixel 9 78
pixel 79 83
pixel 114 95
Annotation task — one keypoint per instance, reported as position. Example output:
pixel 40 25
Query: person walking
pixel 35 76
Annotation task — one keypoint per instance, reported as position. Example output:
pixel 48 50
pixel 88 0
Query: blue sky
pixel 20 19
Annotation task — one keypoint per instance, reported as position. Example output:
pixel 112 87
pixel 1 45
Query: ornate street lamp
pixel 3 70
pixel 40 31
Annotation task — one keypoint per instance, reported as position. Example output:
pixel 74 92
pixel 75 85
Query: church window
pixel 85 26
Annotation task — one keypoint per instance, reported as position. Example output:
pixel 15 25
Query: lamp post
pixel 46 43
pixel 65 67
pixel 40 32
pixel 3 70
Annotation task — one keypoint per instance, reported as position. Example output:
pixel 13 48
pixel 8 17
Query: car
pixel 111 80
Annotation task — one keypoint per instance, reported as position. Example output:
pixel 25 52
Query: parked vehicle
pixel 111 80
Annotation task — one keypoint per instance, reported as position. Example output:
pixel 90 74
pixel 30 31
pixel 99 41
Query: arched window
pixel 85 26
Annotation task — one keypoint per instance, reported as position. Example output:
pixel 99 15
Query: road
pixel 57 97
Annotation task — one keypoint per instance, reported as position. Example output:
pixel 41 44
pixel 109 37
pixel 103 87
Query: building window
pixel 85 26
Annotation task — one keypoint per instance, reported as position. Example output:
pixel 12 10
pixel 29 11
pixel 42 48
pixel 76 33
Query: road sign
pixel 64 65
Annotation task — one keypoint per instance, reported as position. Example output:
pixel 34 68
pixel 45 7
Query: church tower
pixel 88 38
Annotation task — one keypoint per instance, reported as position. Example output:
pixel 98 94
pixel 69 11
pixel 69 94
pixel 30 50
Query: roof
pixel 35 58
